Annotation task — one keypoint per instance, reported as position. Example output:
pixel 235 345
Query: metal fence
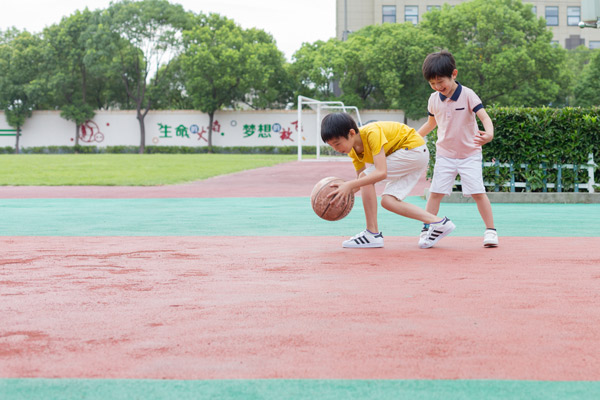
pixel 557 185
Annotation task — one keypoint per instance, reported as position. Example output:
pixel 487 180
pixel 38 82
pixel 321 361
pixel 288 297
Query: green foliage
pixel 503 52
pixel 379 66
pixel 393 61
pixel 145 36
pixel 576 61
pixel 20 86
pixel 587 91
pixel 73 81
pixel 314 71
pixel 540 138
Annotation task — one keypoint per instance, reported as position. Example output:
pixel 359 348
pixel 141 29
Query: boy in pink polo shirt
pixel 453 108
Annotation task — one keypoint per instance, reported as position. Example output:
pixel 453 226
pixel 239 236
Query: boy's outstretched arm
pixel 486 135
pixel 344 189
pixel 427 126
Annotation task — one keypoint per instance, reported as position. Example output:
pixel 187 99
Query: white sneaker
pixel 365 240
pixel 423 235
pixel 436 232
pixel 490 238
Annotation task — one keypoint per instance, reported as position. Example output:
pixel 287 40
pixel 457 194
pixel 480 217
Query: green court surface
pixel 101 389
pixel 268 216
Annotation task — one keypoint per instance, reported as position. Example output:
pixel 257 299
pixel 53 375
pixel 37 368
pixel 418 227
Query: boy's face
pixel 444 84
pixel 342 144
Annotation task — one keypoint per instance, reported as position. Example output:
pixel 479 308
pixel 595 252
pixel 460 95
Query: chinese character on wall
pixel 265 131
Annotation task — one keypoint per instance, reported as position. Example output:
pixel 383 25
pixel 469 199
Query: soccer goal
pixel 309 125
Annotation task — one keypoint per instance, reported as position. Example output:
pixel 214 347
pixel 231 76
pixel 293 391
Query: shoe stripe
pixel 434 234
pixel 363 239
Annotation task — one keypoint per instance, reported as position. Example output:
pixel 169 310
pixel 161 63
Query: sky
pixel 291 22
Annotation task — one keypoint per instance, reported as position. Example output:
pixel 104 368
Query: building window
pixel 429 8
pixel 573 15
pixel 594 44
pixel 389 14
pixel 552 16
pixel 534 10
pixel 411 14
pixel 573 41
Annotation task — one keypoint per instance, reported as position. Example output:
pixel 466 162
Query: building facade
pixel 562 17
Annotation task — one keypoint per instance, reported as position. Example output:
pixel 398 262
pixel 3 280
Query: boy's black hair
pixel 440 64
pixel 337 125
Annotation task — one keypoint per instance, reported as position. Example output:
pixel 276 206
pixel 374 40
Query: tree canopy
pixel 21 88
pixel 223 64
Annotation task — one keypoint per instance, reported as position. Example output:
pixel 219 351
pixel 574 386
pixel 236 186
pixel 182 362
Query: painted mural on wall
pixel 200 133
pixel 179 128
pixel 194 131
pixel 89 132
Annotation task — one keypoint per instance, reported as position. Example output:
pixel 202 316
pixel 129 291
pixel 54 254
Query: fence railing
pixel 558 185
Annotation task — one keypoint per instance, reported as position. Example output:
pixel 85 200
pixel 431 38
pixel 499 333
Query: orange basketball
pixel 320 201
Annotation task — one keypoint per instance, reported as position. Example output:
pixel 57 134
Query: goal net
pixel 310 114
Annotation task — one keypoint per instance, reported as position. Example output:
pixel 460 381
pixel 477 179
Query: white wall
pixel 179 128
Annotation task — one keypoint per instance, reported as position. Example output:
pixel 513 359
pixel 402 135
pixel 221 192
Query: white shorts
pixel 404 168
pixel 470 170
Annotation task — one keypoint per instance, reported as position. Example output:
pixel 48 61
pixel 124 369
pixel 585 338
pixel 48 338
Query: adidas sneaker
pixel 364 240
pixel 436 232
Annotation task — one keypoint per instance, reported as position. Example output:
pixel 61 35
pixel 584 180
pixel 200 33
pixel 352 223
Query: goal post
pixel 320 107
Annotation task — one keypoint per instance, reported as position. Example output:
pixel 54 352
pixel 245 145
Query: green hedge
pixel 540 138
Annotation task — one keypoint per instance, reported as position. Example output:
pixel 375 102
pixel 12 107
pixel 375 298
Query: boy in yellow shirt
pixel 380 151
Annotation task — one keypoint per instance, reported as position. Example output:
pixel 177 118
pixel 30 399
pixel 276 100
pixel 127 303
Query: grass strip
pixel 125 169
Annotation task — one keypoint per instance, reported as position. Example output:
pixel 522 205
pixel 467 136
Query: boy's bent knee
pixel 388 201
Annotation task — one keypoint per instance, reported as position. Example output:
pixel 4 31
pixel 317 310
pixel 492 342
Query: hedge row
pixel 540 138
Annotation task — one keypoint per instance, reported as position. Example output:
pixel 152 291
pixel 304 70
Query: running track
pixel 233 288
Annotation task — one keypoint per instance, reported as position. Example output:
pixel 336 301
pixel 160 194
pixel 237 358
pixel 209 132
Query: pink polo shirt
pixel 456 121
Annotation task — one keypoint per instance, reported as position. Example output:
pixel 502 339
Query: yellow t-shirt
pixel 391 135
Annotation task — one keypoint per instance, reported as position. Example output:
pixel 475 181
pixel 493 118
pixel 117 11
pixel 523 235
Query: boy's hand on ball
pixel 342 192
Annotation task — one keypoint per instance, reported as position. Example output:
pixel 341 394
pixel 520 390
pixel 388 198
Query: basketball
pixel 320 201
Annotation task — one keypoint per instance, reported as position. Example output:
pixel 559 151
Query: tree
pixel 503 51
pixel 390 58
pixel 20 86
pixel 224 64
pixel 170 93
pixel 270 83
pixel 313 69
pixel 379 66
pixel 587 91
pixel 68 74
pixel 148 35
pixel 352 69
